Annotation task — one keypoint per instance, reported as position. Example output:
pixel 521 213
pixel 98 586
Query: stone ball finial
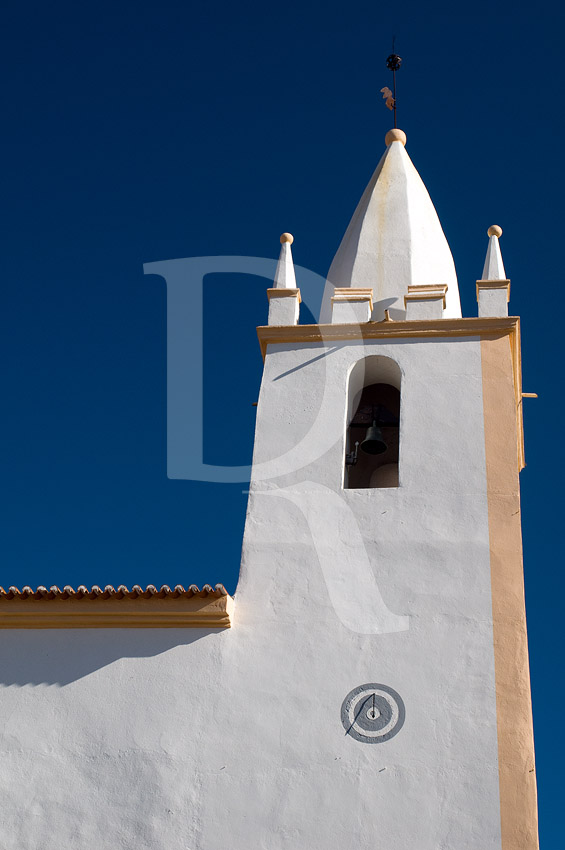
pixel 494 230
pixel 287 237
pixel 395 136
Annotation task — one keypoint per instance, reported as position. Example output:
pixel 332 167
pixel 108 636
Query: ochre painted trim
pixel 342 300
pixel 284 293
pixel 518 795
pixel 483 327
pixel 430 296
pixel 276 334
pixel 428 287
pixel 209 612
pixel 426 293
pixel 350 293
pixel 345 291
pixel 494 284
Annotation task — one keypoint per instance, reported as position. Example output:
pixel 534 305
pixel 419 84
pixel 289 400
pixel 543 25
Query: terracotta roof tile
pixel 109 592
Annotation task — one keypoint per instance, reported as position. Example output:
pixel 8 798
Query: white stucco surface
pixel 346 312
pixel 394 240
pixel 187 740
pixel 284 311
pixel 285 277
pixel 493 268
pixel 425 308
pixel 493 302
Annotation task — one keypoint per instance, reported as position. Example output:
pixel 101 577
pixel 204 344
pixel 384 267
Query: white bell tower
pixel 381 594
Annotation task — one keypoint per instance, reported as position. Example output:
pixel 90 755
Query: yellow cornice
pixel 440 288
pixel 300 334
pixel 349 293
pixel 276 292
pixel 196 612
pixel 426 293
pixel 484 327
pixel 494 284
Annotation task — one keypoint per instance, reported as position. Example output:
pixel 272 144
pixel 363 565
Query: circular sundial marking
pixel 372 713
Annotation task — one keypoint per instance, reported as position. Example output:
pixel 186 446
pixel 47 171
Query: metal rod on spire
pixel 393 63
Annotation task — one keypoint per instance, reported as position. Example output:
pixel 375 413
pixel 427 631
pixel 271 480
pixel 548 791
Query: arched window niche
pixel 373 417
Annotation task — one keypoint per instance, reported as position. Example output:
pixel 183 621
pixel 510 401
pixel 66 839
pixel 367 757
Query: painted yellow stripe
pixel 194 613
pixel 518 794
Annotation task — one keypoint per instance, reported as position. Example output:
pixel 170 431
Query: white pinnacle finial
pixel 284 275
pixel 494 267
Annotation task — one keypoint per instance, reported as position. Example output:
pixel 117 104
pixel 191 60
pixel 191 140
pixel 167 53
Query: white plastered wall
pixel 187 740
pixel 493 302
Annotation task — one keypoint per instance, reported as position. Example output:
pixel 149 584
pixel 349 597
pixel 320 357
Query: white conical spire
pixel 284 275
pixel 494 267
pixel 394 240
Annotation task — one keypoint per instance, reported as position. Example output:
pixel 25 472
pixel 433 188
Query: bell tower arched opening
pixel 372 439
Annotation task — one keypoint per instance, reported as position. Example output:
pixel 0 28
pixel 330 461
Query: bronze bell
pixel 374 444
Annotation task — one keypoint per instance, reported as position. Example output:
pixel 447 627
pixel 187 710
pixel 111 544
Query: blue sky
pixel 142 132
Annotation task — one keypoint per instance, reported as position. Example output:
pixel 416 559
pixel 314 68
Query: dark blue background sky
pixel 141 132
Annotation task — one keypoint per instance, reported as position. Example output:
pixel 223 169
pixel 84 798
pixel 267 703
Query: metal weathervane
pixel 393 63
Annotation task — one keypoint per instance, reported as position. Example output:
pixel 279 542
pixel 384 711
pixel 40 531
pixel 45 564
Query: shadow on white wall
pixel 61 656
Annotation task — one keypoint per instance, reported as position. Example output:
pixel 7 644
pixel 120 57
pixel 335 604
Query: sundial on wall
pixel 372 713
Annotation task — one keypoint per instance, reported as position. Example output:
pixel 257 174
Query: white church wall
pixel 427 545
pixel 191 740
pixel 493 301
pixel 283 310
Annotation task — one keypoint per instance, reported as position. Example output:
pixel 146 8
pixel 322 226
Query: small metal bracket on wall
pixel 351 457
